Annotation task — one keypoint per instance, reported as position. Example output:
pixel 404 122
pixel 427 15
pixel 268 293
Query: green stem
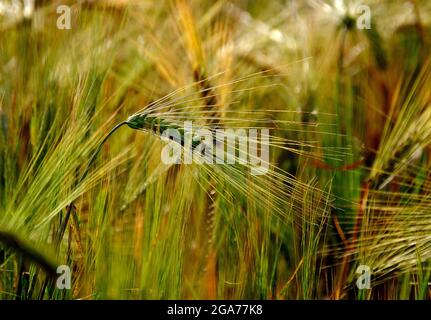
pixel 70 210
pixel 99 147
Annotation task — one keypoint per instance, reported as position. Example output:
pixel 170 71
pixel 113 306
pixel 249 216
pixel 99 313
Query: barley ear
pixel 29 252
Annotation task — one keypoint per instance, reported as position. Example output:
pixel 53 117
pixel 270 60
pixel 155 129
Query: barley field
pixel 330 198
